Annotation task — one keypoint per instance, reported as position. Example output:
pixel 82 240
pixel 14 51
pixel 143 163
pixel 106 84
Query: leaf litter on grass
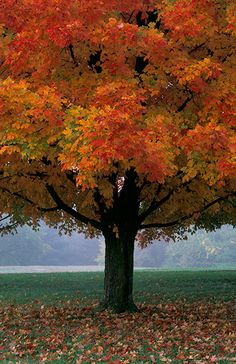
pixel 178 332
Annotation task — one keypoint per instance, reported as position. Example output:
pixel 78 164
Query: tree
pixel 46 247
pixel 118 117
pixel 215 250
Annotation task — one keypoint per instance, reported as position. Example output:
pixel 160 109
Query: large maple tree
pixel 118 117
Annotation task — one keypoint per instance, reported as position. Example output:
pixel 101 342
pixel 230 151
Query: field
pixel 185 317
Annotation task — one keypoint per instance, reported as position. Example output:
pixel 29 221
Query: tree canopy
pixel 119 115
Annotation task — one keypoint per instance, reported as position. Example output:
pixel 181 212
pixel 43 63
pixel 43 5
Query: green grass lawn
pixel 159 285
pixel 185 317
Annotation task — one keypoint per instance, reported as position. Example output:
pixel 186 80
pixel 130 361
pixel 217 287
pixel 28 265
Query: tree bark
pixel 119 265
pixel 120 226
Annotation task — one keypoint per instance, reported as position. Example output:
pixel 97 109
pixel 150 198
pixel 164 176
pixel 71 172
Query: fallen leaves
pixel 183 332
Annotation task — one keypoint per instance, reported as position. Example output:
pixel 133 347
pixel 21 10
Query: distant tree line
pixel 46 247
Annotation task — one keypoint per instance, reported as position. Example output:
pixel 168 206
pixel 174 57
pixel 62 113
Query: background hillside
pixel 46 247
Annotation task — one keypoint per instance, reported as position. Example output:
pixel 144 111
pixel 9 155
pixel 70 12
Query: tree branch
pixel 184 104
pixel 4 218
pixel 196 48
pixel 153 206
pixel 130 16
pixel 26 199
pixel 8 228
pixel 227 56
pixel 63 206
pixel 156 204
pixel 76 63
pixel 183 218
pixel 70 177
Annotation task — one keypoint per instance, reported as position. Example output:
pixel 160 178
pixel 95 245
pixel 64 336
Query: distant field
pixel 185 317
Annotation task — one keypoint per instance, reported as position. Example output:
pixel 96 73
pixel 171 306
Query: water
pixel 50 269
pixel 55 268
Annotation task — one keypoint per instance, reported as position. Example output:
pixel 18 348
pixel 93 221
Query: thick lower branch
pixel 63 206
pixel 157 204
pixel 30 202
pixel 183 218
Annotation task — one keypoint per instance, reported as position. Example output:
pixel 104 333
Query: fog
pixel 216 250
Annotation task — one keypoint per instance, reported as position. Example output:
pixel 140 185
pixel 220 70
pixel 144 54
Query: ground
pixel 185 317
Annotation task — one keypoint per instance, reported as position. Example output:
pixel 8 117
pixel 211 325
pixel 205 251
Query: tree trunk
pixel 120 229
pixel 119 265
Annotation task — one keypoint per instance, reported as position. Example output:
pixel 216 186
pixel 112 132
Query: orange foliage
pixel 101 88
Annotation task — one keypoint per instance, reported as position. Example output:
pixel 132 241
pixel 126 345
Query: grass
pixel 159 285
pixel 185 317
